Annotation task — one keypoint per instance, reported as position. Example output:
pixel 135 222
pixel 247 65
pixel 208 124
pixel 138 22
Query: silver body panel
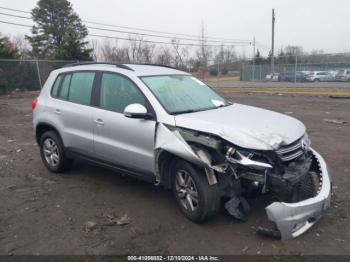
pixel 124 141
pixel 245 126
pixel 293 219
pixel 137 143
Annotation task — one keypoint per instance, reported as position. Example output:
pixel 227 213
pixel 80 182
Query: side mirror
pixel 137 111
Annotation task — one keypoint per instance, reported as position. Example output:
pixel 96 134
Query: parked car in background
pixel 343 75
pixel 333 73
pixel 319 76
pixel 292 76
pixel 272 77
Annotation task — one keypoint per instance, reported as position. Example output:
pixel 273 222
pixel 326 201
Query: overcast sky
pixel 313 24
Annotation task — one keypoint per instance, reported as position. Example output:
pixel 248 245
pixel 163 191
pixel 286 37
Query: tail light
pixel 34 103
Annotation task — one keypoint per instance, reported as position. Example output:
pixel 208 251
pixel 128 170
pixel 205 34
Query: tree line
pixel 59 34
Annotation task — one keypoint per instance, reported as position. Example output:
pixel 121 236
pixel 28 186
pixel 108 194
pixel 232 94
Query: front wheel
pixel 196 199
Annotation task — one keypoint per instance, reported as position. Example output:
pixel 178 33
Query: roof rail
pixel 159 65
pixel 99 63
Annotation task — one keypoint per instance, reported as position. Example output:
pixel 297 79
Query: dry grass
pixel 220 79
pixel 308 91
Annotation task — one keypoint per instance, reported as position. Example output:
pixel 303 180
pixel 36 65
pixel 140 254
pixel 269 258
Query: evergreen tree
pixel 8 50
pixel 59 32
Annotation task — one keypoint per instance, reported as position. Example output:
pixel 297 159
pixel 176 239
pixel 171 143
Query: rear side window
pixel 65 87
pixel 81 87
pixel 117 92
pixel 56 85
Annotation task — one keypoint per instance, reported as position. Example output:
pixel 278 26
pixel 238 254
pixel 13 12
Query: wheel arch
pixel 165 162
pixel 43 127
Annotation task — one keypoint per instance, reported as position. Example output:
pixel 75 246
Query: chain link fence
pixel 295 72
pixel 26 75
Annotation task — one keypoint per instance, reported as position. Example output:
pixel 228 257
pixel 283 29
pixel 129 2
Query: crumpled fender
pixel 173 142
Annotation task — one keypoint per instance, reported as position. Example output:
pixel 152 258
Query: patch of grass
pixel 220 79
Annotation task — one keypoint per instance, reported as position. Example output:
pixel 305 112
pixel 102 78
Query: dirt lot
pixel 42 213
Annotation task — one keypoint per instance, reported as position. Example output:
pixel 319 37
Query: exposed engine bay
pixel 293 174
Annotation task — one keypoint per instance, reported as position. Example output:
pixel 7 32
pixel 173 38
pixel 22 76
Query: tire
pixel 317 80
pixel 194 185
pixel 52 153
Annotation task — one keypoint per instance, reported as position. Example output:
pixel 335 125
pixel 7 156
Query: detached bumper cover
pixel 293 219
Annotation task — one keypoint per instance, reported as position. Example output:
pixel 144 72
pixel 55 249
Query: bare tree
pixel 164 57
pixel 293 50
pixel 181 55
pixel 204 52
pixel 140 51
pixel 94 44
pixel 111 52
pixel 225 57
pixel 22 46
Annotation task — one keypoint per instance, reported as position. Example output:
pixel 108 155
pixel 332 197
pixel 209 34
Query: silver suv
pixel 167 127
pixel 319 76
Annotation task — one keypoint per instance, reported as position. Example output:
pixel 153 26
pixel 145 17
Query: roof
pixel 137 69
pixel 146 70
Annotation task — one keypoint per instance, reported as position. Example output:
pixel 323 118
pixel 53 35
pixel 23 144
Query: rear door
pixel 120 140
pixel 72 112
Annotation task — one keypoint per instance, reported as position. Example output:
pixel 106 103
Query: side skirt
pixel 138 174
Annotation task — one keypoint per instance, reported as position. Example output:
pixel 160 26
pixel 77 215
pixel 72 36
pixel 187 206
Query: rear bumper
pixel 293 219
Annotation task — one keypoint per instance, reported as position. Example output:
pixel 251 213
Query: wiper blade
pixel 184 112
pixel 193 110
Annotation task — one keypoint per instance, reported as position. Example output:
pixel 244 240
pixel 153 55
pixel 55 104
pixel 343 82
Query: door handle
pixel 57 112
pixel 99 122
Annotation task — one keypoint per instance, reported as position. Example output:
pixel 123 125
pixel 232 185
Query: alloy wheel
pixel 51 152
pixel 186 190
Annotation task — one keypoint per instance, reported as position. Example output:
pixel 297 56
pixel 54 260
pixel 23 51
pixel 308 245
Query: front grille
pixel 291 151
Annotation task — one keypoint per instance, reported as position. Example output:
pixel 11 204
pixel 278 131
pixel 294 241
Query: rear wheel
pixel 317 80
pixel 52 152
pixel 196 199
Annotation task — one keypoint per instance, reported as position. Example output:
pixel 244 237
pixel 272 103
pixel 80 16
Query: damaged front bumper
pixel 293 219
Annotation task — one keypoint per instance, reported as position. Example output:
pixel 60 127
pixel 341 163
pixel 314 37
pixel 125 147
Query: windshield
pixel 183 94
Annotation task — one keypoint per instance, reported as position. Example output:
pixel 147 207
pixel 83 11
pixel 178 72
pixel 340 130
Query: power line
pixel 16 10
pixel 10 23
pixel 158 42
pixel 168 33
pixel 218 39
pixel 137 33
pixel 167 37
pixel 123 38
pixel 18 16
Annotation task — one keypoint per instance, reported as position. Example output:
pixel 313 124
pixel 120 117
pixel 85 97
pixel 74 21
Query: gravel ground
pixel 77 213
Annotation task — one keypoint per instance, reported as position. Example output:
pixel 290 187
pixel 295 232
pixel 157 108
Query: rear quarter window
pixel 63 94
pixel 56 85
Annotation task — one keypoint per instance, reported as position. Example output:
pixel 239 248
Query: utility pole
pixel 273 42
pixel 253 73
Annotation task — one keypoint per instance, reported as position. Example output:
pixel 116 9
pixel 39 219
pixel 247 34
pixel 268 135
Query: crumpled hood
pixel 245 126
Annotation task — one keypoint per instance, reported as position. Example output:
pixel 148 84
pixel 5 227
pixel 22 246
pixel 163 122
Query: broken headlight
pixel 234 156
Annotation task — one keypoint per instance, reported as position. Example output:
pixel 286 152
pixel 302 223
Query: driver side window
pixel 117 92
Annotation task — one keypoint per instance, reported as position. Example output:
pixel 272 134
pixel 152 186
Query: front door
pixel 123 141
